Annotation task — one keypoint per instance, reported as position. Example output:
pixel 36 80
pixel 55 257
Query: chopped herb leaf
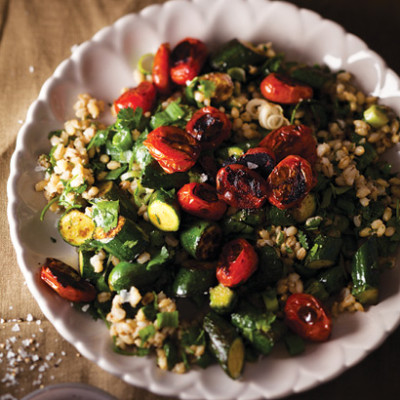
pixel 147 332
pixel 303 239
pixel 105 214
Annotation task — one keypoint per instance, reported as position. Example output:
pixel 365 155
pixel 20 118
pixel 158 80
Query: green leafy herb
pixel 130 243
pixel 303 239
pixel 158 259
pixel 99 139
pixel 116 173
pixel 105 214
pixel 69 198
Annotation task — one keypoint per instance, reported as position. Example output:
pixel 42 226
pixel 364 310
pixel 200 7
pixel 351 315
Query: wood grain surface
pixel 35 36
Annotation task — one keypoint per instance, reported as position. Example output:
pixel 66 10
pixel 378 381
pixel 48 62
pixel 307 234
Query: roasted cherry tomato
pixel 305 315
pixel 241 187
pixel 160 70
pixel 201 200
pixel 290 181
pixel 66 281
pixel 282 89
pixel 210 127
pixel 259 159
pixel 143 96
pixel 187 60
pixel 173 148
pixel 238 261
pixel 292 140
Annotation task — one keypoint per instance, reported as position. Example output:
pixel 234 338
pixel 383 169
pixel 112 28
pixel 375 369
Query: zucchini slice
pixel 163 211
pixel 126 241
pixel 305 209
pixel 195 279
pixel 222 299
pixel 202 240
pixel 365 273
pixel 87 271
pixel 226 344
pixel 324 252
pixel 125 274
pixel 76 228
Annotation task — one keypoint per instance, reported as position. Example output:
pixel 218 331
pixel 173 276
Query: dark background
pixel 378 24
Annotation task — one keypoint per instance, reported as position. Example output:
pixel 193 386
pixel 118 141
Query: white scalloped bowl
pixel 102 66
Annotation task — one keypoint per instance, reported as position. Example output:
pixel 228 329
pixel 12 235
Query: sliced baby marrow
pixel 222 299
pixel 163 211
pixel 305 209
pixel 195 278
pixel 365 273
pixel 76 228
pixel 202 240
pixel 324 252
pixel 86 269
pixel 226 344
pixel 126 241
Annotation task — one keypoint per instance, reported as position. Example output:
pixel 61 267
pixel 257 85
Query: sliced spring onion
pixel 168 319
pixel 145 63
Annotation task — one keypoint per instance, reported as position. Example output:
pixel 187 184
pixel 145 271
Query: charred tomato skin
pixel 64 280
pixel 144 96
pixel 210 127
pixel 160 71
pixel 173 148
pixel 292 140
pixel 290 181
pixel 305 315
pixel 284 90
pixel 238 261
pixel 260 159
pixel 241 187
pixel 187 60
pixel 201 200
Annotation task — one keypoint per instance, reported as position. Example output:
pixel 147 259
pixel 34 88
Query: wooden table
pixel 35 36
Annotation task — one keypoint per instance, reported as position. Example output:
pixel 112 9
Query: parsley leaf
pixel 105 214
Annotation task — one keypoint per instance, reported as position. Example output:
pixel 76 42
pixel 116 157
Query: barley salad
pixel 237 183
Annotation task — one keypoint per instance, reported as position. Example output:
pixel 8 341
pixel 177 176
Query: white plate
pixel 102 66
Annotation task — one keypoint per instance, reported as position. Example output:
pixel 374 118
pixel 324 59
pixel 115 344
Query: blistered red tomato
pixel 187 60
pixel 292 140
pixel 66 281
pixel 201 200
pixel 209 126
pixel 143 96
pixel 259 159
pixel 161 70
pixel 290 181
pixel 241 187
pixel 282 89
pixel 305 315
pixel 173 148
pixel 238 261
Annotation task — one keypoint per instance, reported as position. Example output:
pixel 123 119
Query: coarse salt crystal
pixel 31 69
pixel 15 328
pixel 38 322
pixel 49 356
pixel 29 318
pixel 85 307
pixel 26 342
pixel 10 354
pixel 35 358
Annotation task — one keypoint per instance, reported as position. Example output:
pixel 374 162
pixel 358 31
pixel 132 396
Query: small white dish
pixel 69 391
pixel 102 66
